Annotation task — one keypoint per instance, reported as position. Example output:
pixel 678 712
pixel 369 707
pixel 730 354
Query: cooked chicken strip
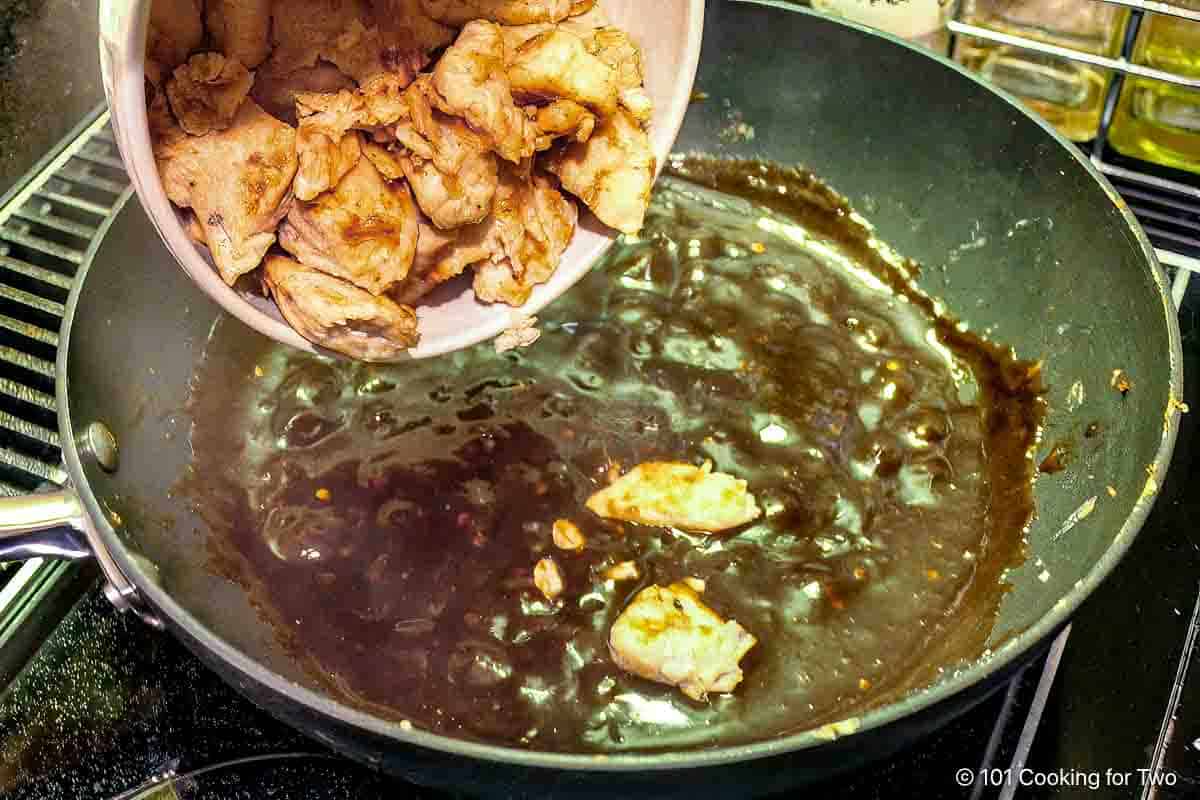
pixel 451 170
pixel 532 225
pixel 563 118
pixel 176 31
pixel 364 230
pixel 385 160
pixel 667 634
pixel 240 29
pixel 557 64
pixel 470 79
pixel 164 130
pixel 238 181
pixel 326 146
pixel 395 40
pixel 207 91
pixel 612 173
pixel 303 29
pixel 338 315
pixel 442 255
pixel 678 495
pixel 507 12
pixel 610 45
pixel 277 93
pixel 323 163
pixel 365 53
pixel 410 26
pixel 363 40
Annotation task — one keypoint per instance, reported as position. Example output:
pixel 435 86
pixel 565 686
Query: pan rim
pixel 977 672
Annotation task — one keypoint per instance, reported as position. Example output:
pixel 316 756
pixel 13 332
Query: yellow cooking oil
pixel 1069 94
pixel 1158 121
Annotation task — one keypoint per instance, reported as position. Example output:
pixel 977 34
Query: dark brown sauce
pixel 388 518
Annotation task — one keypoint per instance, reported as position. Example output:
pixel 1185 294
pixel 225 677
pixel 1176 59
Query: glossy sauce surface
pixel 389 518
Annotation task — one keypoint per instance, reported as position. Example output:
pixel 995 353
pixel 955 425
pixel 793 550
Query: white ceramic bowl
pixel 669 32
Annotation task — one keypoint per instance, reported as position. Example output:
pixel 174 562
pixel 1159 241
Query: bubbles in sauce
pixel 389 518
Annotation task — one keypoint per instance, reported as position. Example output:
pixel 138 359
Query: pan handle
pixel 54 525
pixel 42 525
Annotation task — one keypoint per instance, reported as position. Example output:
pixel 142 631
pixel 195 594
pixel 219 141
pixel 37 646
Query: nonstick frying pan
pixel 1017 232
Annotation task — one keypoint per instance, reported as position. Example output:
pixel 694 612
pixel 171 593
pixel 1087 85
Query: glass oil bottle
pixel 1158 121
pixel 1068 93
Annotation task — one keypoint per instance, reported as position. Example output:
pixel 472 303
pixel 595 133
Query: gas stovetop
pixel 98 705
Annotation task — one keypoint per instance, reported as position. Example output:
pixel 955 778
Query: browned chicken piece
pixel 240 29
pixel 164 130
pixel 176 31
pixel 471 81
pixel 396 40
pixel 364 53
pixel 385 161
pixel 610 45
pixel 670 493
pixel 506 12
pixel 410 27
pixel 563 119
pixel 452 172
pixel 364 230
pixel 385 99
pixel 206 92
pixel 238 181
pixel 612 173
pixel 532 224
pixel 614 47
pixel 302 30
pixel 442 255
pixel 668 635
pixel 581 6
pixel 325 143
pixel 336 314
pixel 277 93
pixel 362 39
pixel 557 64
pixel 323 163
pixel 333 114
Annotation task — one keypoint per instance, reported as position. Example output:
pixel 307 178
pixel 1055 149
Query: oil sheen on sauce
pixel 388 518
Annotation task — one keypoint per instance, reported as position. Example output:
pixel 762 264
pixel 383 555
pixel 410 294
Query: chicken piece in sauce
pixel 240 29
pixel 612 172
pixel 470 79
pixel 674 494
pixel 507 12
pixel 667 634
pixel 238 181
pixel 363 231
pixel 336 314
pixel 206 92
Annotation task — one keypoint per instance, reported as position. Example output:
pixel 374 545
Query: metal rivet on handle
pixel 102 445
